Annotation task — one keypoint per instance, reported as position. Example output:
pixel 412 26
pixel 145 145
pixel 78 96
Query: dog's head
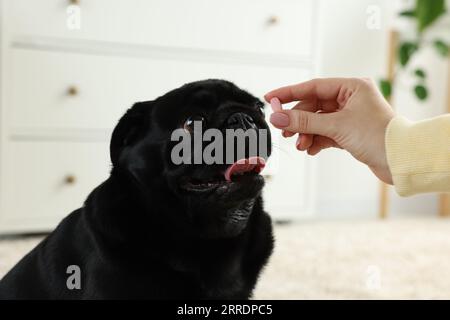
pixel 167 147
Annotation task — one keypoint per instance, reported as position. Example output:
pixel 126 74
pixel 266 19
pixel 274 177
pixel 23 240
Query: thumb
pixel 300 121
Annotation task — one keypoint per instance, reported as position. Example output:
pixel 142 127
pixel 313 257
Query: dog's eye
pixel 190 122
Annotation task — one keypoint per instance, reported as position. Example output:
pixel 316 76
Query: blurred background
pixel 70 68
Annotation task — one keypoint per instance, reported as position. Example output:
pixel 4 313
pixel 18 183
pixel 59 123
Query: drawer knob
pixel 70 179
pixel 273 21
pixel 74 2
pixel 72 91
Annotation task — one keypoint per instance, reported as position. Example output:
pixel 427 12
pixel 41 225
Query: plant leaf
pixel 427 11
pixel 386 88
pixel 421 92
pixel 441 47
pixel 405 52
pixel 420 73
pixel 408 14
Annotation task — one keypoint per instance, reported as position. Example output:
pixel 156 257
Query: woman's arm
pixel 419 155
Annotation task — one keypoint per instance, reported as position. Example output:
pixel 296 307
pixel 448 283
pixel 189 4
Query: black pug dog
pixel 156 230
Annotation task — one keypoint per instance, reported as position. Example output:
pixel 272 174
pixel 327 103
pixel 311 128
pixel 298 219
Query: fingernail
pixel 297 143
pixel 279 119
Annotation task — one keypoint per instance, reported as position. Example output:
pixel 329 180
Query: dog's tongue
pixel 256 164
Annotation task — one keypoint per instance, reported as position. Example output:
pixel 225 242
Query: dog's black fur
pixel 139 234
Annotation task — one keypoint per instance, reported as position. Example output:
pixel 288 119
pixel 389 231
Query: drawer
pixel 252 26
pixel 42 182
pixel 53 90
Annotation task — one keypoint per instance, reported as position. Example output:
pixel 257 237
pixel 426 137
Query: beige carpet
pixel 340 260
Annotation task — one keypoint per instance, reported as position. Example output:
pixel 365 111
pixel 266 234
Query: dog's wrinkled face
pixel 211 200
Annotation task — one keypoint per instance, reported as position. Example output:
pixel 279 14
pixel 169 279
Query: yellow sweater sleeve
pixel 419 155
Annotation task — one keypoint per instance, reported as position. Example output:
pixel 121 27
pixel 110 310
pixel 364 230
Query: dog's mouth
pixel 238 172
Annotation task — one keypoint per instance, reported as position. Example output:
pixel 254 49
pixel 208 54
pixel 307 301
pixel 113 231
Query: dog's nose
pixel 240 120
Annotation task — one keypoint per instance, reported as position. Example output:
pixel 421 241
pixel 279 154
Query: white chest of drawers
pixel 63 89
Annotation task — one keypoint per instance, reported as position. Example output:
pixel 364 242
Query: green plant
pixel 425 12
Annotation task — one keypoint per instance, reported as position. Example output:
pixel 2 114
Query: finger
pixel 275 104
pixel 304 122
pixel 287 134
pixel 323 89
pixel 328 106
pixel 304 141
pixel 307 105
pixel 321 143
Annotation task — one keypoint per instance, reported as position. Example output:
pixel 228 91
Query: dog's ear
pixel 129 128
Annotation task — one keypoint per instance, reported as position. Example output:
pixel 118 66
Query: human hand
pixel 338 112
